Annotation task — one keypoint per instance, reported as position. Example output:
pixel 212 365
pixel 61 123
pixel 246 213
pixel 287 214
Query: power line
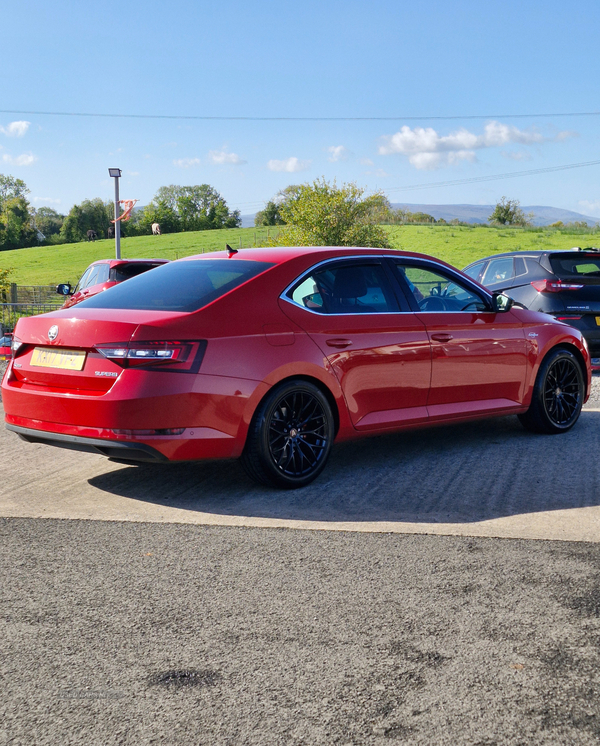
pixel 297 119
pixel 493 177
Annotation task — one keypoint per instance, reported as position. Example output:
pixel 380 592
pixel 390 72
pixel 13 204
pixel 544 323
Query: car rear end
pixel 117 377
pixel 571 293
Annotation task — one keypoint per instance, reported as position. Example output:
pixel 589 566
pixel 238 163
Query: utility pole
pixel 116 174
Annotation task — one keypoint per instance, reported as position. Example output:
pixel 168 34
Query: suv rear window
pixel 178 286
pixel 568 265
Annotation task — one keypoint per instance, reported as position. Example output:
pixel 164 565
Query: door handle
pixel 339 343
pixel 441 337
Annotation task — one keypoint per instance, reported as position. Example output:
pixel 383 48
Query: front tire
pixel 290 436
pixel 557 395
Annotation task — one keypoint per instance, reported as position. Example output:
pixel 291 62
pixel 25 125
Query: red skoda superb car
pixel 271 354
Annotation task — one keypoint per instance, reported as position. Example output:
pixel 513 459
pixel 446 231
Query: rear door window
pixel 499 271
pixel 351 287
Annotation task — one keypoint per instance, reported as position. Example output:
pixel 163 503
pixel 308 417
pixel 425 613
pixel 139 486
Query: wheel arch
pixel 579 357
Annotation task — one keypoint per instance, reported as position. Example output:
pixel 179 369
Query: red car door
pixel 479 358
pixel 378 350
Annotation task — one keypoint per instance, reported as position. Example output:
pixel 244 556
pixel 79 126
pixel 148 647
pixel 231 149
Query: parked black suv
pixel 565 284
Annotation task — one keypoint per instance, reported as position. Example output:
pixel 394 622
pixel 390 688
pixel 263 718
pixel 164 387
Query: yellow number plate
pixel 45 357
pixel 598 320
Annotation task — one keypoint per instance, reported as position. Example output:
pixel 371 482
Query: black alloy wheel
pixel 557 396
pixel 290 436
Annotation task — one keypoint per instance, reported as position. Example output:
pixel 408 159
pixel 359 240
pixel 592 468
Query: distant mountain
pixel 481 213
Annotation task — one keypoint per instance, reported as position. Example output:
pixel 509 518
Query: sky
pixel 396 96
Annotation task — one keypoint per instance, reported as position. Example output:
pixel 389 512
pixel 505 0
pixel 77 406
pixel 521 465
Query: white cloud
pixel 187 162
pixel 366 162
pixel 221 157
pixel 15 129
pixel 426 149
pixel 46 200
pixel 290 165
pixel 338 153
pixel 591 207
pixel 26 159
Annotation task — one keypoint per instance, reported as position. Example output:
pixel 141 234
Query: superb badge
pixel 53 333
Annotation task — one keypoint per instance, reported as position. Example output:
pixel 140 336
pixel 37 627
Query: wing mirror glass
pixel 502 303
pixel 64 289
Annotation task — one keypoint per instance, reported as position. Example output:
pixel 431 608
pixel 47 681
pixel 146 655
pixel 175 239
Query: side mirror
pixel 502 303
pixel 64 289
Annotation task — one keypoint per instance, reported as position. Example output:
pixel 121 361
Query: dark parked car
pixel 5 343
pixel 564 284
pixel 102 275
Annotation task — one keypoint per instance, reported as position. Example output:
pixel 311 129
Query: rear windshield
pixel 178 286
pixel 127 271
pixel 568 265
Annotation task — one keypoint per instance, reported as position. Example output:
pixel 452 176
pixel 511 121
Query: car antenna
pixel 230 252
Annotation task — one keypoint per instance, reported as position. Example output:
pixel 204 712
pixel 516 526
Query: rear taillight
pixel 568 318
pixel 182 357
pixel 15 345
pixel 554 286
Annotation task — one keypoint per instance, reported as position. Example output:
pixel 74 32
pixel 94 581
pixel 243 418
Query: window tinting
pixel 474 271
pixel 346 288
pixel 434 291
pixel 498 271
pixel 179 286
pixel 520 268
pixel 127 271
pixel 575 264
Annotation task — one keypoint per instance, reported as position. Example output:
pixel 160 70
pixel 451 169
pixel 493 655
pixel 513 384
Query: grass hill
pixel 457 245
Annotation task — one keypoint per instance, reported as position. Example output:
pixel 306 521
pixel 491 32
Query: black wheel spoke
pixel 297 434
pixel 562 392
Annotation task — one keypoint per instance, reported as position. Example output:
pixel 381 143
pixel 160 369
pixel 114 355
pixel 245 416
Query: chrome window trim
pixel 426 262
pixel 309 271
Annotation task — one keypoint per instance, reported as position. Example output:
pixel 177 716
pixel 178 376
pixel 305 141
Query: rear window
pixel 178 286
pixel 575 264
pixel 127 271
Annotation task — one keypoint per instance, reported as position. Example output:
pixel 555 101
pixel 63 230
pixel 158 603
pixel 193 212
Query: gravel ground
pixel 133 634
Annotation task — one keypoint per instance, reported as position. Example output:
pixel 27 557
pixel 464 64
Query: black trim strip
pixel 108 448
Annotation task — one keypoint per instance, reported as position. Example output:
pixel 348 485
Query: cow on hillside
pixel 155 229
pixel 91 235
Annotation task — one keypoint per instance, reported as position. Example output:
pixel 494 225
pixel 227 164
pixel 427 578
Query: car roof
pixel 534 254
pixel 120 262
pixel 283 254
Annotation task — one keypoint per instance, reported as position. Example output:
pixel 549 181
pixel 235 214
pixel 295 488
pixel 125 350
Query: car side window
pixel 91 278
pixel 475 271
pixel 83 280
pixel 346 288
pixel 499 270
pixel 437 292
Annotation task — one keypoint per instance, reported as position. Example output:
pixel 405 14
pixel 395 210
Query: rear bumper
pixel 112 449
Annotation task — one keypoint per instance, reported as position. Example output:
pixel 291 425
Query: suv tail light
pixel 176 357
pixel 554 286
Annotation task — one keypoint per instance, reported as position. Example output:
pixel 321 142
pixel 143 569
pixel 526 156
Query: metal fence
pixel 31 294
pixel 10 313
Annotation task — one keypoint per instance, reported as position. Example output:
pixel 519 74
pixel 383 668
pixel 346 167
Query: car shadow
pixel 451 474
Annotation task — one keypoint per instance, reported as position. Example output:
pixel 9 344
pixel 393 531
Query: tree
pixel 271 215
pixel 48 221
pixel 91 214
pixel 16 227
pixel 508 212
pixel 10 188
pixel 323 214
pixel 195 208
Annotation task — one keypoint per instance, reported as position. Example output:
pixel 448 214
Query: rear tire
pixel 290 436
pixel 557 395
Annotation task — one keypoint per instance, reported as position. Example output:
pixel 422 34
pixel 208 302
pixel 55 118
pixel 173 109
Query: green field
pixel 457 245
